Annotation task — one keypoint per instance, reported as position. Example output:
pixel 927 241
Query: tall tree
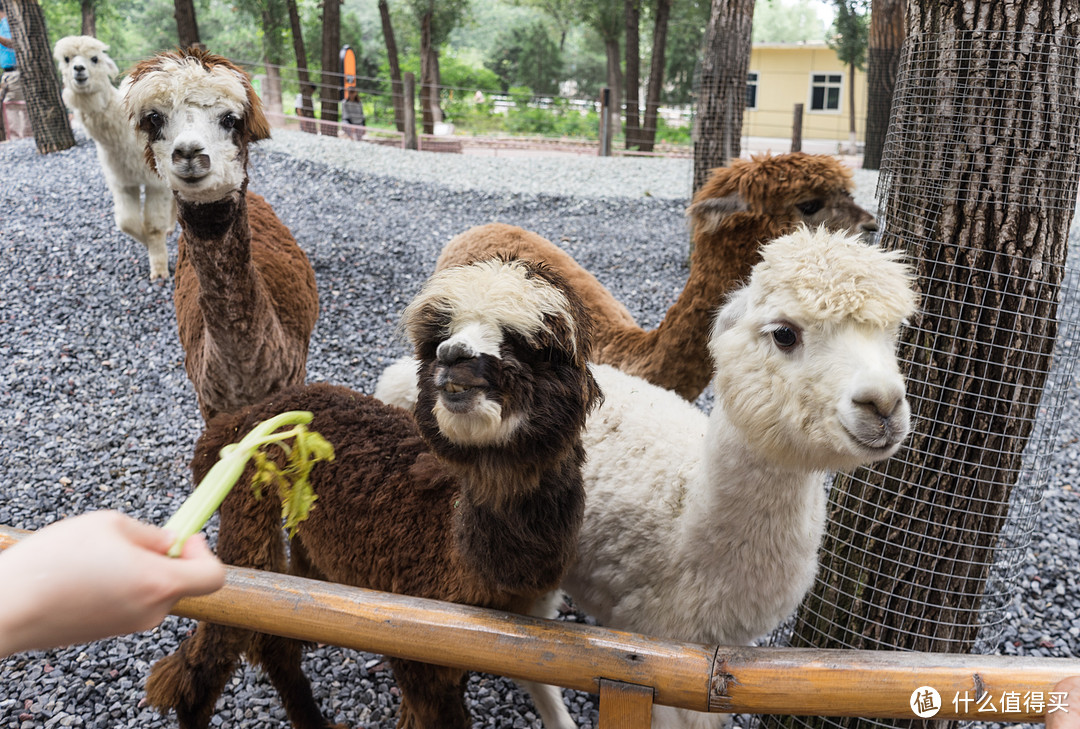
pixel 888 28
pixel 41 87
pixel 88 11
pixel 632 13
pixel 982 184
pixel 607 19
pixel 332 88
pixel 436 20
pixel 307 90
pixel 562 12
pixel 725 60
pixel 849 39
pixel 656 75
pixel 269 15
pixel 686 32
pixel 397 90
pixel 187 29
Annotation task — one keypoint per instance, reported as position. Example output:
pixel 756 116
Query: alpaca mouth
pixel 460 385
pixel 880 440
pixel 81 79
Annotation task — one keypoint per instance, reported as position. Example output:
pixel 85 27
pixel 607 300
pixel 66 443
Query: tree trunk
pixel 853 139
pixel 332 88
pixel 981 174
pixel 615 82
pixel 89 17
pixel 633 72
pixel 656 76
pixel 429 75
pixel 187 30
pixel 725 59
pixel 273 60
pixel 396 91
pixel 41 87
pixel 306 110
pixel 888 28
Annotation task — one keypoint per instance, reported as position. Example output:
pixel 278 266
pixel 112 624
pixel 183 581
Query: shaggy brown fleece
pixel 245 300
pixel 741 207
pixel 403 509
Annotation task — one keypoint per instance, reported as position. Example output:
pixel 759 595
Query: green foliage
pixel 787 21
pixel 686 32
pixel 851 32
pixel 527 56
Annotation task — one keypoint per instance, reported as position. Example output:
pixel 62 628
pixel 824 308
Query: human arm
pixel 94 576
pixel 7 42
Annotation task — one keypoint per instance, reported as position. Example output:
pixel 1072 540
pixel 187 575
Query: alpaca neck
pixel 752 529
pixel 523 540
pixel 676 353
pixel 101 112
pixel 217 245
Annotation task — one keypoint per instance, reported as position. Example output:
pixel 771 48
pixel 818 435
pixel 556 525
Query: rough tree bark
pixel 428 85
pixel 632 13
pixel 187 29
pixel 981 176
pixel 41 87
pixel 307 90
pixel 615 81
pixel 656 75
pixel 721 101
pixel 397 92
pixel 888 28
pixel 88 11
pixel 332 87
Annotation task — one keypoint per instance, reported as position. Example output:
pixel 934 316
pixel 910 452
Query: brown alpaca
pixel 478 500
pixel 739 208
pixel 245 292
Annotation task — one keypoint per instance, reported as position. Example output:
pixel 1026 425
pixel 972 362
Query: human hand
pixel 1070 717
pixel 94 576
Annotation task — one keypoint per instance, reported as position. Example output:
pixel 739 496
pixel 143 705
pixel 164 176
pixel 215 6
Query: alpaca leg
pixel 432 697
pixel 280 658
pixel 191 679
pixel 159 219
pixel 127 210
pixel 548 699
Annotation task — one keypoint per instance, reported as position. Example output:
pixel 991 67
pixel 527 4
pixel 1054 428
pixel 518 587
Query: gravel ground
pixel 97 411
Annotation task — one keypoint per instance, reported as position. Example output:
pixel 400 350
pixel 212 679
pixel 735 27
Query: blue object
pixel 7 55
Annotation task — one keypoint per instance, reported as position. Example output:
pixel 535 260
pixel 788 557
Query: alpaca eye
pixel 67 59
pixel 229 121
pixel 810 206
pixel 155 120
pixel 785 337
pixel 93 59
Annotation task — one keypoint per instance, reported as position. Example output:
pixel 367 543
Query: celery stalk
pixel 219 480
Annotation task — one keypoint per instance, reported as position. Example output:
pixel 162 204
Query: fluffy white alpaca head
pixel 806 352
pixel 84 64
pixel 497 342
pixel 196 114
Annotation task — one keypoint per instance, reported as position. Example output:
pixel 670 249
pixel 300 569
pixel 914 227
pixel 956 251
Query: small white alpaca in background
pixel 87 71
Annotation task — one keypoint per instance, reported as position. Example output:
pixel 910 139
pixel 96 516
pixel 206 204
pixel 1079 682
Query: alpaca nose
pixel 881 402
pixel 79 67
pixel 868 226
pixel 453 351
pixel 186 152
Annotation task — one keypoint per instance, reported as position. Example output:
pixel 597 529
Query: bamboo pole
pixel 799 681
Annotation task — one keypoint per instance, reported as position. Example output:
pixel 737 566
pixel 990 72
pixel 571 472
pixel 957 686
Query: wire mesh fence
pixel 979 186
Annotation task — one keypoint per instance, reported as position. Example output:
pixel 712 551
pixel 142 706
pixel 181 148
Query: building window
pixel 825 91
pixel 751 90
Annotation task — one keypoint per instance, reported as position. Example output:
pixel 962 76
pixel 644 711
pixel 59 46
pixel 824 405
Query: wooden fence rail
pixel 630 672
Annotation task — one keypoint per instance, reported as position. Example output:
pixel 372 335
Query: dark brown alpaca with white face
pixel 478 500
pixel 739 209
pixel 245 295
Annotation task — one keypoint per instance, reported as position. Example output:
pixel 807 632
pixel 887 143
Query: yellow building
pixel 784 74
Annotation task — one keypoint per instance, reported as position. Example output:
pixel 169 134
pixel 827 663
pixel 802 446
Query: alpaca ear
pixel 256 124
pixel 731 312
pixel 707 215
pixel 110 64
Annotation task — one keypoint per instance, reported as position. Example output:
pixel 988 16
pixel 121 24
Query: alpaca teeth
pixel 452 388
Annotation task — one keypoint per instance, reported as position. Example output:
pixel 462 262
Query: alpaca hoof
pixel 159 273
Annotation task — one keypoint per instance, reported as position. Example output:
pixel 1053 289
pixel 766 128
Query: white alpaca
pixel 706 528
pixel 87 71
